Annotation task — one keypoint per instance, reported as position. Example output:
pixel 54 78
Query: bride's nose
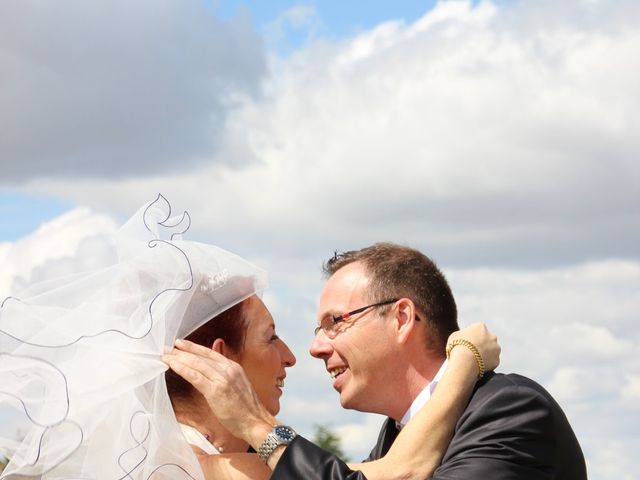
pixel 288 358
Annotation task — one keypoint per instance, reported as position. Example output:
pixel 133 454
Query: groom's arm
pixel 303 459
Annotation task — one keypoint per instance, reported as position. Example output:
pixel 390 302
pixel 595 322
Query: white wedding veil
pixel 80 355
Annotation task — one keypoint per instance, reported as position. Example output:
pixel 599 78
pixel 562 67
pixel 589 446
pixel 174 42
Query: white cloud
pixel 485 135
pixel 579 384
pixel 67 244
pixel 611 460
pixel 631 391
pixel 359 438
pixel 584 313
pixel 596 341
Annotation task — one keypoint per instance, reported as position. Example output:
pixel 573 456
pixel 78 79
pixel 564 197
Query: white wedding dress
pixel 80 356
pixel 196 439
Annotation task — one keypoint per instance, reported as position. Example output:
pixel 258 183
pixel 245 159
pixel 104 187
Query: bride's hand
pixel 485 341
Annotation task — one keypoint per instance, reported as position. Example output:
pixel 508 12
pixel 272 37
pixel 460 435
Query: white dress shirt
pixel 422 398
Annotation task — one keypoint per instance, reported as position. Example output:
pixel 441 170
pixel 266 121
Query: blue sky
pixel 338 18
pixel 21 213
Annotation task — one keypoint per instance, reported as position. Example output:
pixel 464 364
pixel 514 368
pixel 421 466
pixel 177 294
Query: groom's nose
pixel 321 346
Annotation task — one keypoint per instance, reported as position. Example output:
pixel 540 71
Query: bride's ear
pixel 221 347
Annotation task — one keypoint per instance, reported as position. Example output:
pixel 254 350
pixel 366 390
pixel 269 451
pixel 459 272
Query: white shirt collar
pixel 422 398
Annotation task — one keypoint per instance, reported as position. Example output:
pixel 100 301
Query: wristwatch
pixel 279 435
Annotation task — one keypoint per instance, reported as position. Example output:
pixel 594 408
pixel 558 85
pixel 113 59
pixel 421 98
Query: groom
pixel 511 428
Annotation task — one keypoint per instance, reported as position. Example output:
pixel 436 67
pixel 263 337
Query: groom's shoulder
pixel 493 381
pixel 520 408
pixel 496 386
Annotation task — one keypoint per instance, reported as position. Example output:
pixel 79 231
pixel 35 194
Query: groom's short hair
pixel 396 271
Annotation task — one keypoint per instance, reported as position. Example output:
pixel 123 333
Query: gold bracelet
pixel 474 350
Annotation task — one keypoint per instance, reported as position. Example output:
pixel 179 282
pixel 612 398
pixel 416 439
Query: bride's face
pixel 264 356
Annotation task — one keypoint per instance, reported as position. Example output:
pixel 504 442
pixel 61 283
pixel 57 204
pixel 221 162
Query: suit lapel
pixel 387 435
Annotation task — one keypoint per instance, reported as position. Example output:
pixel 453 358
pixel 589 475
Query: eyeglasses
pixel 330 324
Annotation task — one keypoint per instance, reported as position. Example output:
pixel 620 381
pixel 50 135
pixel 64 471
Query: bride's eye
pixel 274 337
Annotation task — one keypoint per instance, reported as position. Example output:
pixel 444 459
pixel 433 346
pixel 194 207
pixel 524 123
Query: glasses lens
pixel 328 326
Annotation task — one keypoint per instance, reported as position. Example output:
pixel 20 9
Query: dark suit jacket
pixel 511 429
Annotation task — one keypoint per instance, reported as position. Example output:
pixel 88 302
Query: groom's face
pixel 358 357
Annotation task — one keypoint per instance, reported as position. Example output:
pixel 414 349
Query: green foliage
pixel 328 440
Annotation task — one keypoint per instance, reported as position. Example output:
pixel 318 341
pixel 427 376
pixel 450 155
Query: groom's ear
pixel 405 315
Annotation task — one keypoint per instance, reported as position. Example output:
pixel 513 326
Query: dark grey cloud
pixel 116 88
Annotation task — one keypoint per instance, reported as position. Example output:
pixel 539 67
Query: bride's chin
pixel 274 408
pixel 271 401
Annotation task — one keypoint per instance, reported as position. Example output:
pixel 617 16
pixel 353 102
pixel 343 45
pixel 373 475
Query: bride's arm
pixel 420 446
pixel 234 466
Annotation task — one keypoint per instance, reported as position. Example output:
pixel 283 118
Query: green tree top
pixel 328 440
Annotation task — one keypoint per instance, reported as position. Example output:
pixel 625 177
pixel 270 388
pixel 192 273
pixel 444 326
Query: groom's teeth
pixel 336 371
pixel 280 382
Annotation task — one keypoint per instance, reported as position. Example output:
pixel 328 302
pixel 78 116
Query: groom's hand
pixel 226 388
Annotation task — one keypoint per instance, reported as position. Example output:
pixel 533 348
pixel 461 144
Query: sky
pixel 500 138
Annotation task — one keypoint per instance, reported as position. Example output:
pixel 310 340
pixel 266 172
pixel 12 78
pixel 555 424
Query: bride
pixel 81 368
